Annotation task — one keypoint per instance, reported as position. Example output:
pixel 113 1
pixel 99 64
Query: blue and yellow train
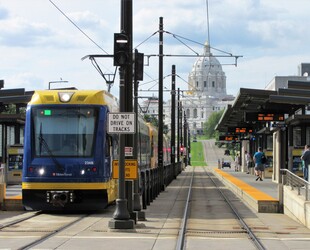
pixel 68 153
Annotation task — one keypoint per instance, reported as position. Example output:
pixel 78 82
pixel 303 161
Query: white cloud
pixel 39 44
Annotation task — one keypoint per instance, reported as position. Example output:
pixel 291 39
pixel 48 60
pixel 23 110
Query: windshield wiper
pixel 50 154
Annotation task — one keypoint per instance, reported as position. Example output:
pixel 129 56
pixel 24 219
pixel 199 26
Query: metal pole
pixel 189 146
pixel 136 195
pixel 185 139
pixel 160 105
pixel 121 215
pixel 126 26
pixel 172 153
pixel 178 128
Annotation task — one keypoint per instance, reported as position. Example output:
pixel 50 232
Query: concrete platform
pixel 260 195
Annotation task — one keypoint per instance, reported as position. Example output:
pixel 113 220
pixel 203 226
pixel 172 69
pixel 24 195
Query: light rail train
pixel 68 153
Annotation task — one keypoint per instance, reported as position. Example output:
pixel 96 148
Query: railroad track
pixel 206 191
pixel 39 227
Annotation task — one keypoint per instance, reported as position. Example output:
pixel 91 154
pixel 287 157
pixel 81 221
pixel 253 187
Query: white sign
pixel 128 151
pixel 121 123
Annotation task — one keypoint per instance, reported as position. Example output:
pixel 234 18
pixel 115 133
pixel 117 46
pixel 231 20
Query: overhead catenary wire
pixel 69 19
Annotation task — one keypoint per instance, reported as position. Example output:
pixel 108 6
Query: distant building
pixel 206 94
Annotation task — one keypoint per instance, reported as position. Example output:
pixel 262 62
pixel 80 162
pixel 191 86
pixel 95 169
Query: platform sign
pixel 131 169
pixel 240 130
pixel 264 117
pixel 228 138
pixel 121 123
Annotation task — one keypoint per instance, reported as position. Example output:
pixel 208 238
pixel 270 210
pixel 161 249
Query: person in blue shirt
pixel 306 161
pixel 259 166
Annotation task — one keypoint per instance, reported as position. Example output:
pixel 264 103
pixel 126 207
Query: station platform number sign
pixel 131 169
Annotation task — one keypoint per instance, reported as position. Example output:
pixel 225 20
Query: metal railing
pixel 296 183
pixel 2 174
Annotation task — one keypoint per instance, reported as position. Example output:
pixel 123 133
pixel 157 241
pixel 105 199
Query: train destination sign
pixel 264 117
pixel 121 123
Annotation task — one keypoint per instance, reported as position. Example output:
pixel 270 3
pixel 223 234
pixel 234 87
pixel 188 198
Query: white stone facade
pixel 206 94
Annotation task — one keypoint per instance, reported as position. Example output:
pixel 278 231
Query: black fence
pixel 152 182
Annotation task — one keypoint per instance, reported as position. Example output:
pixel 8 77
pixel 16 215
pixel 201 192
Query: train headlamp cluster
pixel 85 170
pixel 38 170
pixel 41 171
pixel 65 96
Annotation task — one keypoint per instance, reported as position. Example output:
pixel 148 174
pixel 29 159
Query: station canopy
pixel 256 101
pixel 20 98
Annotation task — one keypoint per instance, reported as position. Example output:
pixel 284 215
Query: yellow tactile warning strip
pixel 252 191
pixel 17 197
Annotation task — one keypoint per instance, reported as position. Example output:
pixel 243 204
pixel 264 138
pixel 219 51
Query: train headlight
pixel 65 96
pixel 82 171
pixel 41 171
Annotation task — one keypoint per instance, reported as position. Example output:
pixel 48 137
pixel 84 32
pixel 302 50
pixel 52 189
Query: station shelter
pixel 275 120
pixel 12 121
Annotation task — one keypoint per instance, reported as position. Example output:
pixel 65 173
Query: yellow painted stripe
pixel 17 197
pixel 64 185
pixel 252 191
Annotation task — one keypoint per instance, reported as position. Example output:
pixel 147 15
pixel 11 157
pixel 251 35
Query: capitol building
pixel 206 94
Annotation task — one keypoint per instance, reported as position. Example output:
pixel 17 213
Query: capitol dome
pixel 207 76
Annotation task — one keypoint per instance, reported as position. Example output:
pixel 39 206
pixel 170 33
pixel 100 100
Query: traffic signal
pixel 121 49
pixel 181 150
pixel 139 63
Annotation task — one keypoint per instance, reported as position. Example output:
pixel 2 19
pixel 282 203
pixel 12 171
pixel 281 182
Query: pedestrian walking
pixel 248 161
pixel 305 157
pixel 258 159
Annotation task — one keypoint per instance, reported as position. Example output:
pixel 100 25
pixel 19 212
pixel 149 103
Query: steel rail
pixel 20 220
pixel 181 237
pixel 47 236
pixel 253 237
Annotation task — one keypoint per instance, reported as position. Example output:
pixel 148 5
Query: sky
pixel 40 46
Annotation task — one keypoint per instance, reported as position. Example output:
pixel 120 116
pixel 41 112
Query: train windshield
pixel 64 132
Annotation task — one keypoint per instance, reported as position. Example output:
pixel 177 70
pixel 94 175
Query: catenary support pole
pixel 172 153
pixel 160 105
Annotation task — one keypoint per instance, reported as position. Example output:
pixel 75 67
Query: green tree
pixel 209 126
pixel 11 109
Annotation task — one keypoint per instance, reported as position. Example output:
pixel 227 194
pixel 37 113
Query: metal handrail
pixel 296 183
pixel 2 174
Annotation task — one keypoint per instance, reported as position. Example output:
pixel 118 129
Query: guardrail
pixel 296 183
pixel 152 181
pixel 2 174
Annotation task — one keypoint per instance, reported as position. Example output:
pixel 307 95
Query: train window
pixel 64 132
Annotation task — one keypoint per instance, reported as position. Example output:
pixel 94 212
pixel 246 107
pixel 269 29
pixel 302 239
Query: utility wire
pixel 77 27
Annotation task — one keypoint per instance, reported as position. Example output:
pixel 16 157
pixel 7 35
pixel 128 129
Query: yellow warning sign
pixel 131 169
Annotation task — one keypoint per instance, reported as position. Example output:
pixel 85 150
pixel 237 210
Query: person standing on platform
pixel 306 158
pixel 248 161
pixel 237 162
pixel 259 165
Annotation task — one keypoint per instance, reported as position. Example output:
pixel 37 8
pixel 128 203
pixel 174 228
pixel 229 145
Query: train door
pixel 14 164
